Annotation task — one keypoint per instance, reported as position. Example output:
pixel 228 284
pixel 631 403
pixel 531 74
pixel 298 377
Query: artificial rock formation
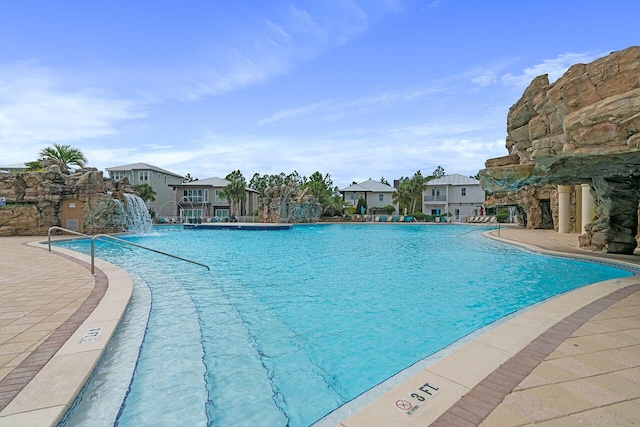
pixel 582 129
pixel 290 204
pixel 34 201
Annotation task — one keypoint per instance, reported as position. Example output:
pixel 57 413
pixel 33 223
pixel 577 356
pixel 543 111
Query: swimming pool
pixel 289 325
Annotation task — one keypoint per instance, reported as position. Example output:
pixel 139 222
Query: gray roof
pixel 370 186
pixel 214 181
pixel 454 179
pixel 142 166
pixel 20 166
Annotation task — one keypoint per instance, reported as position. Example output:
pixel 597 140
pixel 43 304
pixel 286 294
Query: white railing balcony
pixel 435 198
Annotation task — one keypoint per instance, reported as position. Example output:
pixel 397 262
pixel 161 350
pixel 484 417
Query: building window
pixel 117 175
pixel 463 191
pixel 191 213
pixel 143 176
pixel 381 197
pixel 435 192
pixel 220 199
pixel 222 213
pixel 193 196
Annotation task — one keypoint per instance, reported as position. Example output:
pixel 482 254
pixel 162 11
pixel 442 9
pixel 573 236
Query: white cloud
pixel 293 112
pixel 333 110
pixel 488 79
pixel 35 110
pixel 554 67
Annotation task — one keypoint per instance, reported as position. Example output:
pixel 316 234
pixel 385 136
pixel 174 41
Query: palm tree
pixel 146 192
pixel 235 192
pixel 33 166
pixel 65 154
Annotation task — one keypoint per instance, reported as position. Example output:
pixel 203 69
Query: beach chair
pixel 383 218
pixel 401 219
pixel 394 218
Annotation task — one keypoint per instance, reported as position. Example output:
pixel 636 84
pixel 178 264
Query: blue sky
pixel 356 89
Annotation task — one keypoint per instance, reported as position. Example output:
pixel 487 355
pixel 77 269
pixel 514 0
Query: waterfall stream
pixel 138 217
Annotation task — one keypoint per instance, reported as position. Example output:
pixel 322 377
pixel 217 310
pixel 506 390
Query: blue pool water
pixel 289 325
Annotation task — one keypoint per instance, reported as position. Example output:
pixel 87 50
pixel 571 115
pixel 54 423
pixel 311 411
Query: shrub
pixel 419 216
pixel 502 215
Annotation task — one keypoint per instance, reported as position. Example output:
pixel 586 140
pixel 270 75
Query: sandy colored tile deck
pixel 51 331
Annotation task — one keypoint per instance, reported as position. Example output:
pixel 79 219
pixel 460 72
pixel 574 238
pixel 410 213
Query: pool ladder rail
pixel 118 242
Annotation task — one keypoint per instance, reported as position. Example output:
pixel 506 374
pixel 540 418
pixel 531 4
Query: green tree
pixel 408 195
pixel 33 166
pixel 334 205
pixel 362 206
pixel 189 178
pixel 235 192
pixel 418 184
pixel 384 181
pixel 259 183
pixel 146 192
pixel 65 154
pixel 320 187
pixel 402 196
pixel 439 172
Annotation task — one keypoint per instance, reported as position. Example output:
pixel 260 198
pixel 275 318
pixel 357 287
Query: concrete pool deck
pixel 574 360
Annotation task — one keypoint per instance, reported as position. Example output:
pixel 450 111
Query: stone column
pixel 564 208
pixel 578 208
pixel 588 206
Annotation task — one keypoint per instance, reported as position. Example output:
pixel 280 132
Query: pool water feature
pixel 289 325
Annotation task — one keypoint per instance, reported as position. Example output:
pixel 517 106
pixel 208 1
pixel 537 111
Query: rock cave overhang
pixel 568 171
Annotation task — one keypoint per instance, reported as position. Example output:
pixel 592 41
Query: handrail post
pixel 93 258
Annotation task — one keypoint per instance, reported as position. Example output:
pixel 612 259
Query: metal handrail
pixel 55 227
pixel 106 236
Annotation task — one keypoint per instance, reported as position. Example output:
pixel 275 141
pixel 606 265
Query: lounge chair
pixel 394 218
pixel 383 218
pixel 408 219
pixel 401 219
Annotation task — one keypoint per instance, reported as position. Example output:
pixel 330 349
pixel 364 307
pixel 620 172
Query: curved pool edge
pixel 46 397
pixel 450 384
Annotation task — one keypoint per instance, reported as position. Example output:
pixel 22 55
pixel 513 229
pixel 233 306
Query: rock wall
pixel 34 201
pixel 538 205
pixel 582 129
pixel 289 204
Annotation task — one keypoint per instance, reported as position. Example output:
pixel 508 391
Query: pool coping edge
pixel 70 354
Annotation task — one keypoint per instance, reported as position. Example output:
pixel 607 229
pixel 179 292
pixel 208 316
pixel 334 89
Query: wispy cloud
pixel 335 109
pixel 272 46
pixel 553 67
pixel 35 110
